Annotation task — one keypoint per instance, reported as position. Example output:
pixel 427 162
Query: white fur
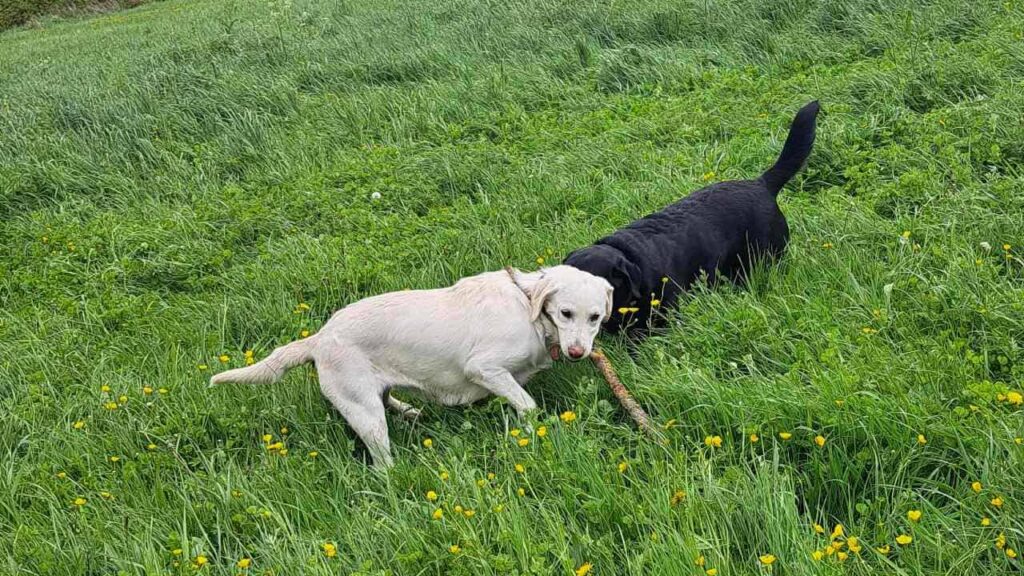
pixel 485 335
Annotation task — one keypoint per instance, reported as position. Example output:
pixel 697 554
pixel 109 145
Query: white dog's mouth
pixel 553 351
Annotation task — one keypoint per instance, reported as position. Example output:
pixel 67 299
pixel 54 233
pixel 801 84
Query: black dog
pixel 719 230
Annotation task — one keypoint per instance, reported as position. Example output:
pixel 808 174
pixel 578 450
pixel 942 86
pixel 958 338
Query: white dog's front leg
pixel 500 382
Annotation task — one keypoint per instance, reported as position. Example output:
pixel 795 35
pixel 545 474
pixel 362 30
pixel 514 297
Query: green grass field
pixel 177 180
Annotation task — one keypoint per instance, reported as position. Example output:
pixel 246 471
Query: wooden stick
pixel 625 398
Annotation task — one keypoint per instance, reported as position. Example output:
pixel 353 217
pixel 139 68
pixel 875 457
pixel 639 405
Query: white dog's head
pixel 576 303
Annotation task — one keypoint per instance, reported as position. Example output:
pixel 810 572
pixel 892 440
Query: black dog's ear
pixel 630 274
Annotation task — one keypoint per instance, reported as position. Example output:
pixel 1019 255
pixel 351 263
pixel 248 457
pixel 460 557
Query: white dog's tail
pixel 271 368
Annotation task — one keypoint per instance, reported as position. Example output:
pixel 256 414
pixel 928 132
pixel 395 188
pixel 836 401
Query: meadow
pixel 186 185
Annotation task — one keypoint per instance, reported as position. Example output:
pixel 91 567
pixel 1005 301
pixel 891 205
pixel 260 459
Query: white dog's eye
pixel 567 314
pixel 595 317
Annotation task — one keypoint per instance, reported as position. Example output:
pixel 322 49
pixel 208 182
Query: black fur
pixel 721 230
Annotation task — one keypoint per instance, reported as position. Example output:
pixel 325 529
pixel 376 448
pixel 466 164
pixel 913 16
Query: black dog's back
pixel 719 230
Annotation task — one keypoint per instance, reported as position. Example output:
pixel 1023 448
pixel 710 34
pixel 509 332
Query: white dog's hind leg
pixel 357 394
pixel 404 410
pixel 500 382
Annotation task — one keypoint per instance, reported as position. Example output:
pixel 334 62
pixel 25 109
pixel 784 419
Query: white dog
pixel 485 335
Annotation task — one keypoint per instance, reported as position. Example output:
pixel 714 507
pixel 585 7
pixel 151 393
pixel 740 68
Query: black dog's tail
pixel 795 151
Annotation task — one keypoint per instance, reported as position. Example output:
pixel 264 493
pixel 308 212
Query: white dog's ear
pixel 609 302
pixel 542 290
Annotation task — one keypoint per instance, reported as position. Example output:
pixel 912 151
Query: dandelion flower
pixel 455 549
pixel 469 513
pixel 838 531
pixel 224 358
pixel 584 569
pixel 244 563
pixel 431 495
pixel 520 468
pixel 115 459
pixel 914 515
pixel 444 475
pixel 711 571
pixel 677 497
pixel 623 466
pixel 904 539
pixel 267 438
pixel 884 550
pixel 976 486
pixel 542 431
pixel 817 555
pixel 200 561
pixel 62 475
pixel 147 390
pixel 150 446
pixel 997 502
pixel 921 439
pixel 481 483
pixel 1001 541
pixel 110 405
pixel 699 561
pixel 986 521
pixel 713 441
pixel 1010 553
pixel 1014 398
pixel 491 476
pixel 104 388
pixel 163 391
pixel 304 334
pixel 568 416
pixel 767 559
pixel 819 440
pixel 521 492
pixel 754 438
pixel 785 435
pixel 853 543
pixel 313 454
pixel 523 442
pixel 428 443
pixel 330 550
pixel 79 501
pixel 438 514
pixel 818 528
pixel 655 303
pixel 78 425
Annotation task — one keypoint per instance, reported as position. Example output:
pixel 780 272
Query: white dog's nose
pixel 575 352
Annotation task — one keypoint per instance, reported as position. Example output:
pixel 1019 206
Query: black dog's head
pixel 612 265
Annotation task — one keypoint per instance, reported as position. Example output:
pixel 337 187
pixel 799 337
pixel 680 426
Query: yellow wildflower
pixel 819 529
pixel 677 497
pixel 1010 553
pixel 176 552
pixel 104 388
pixel 481 483
pixel 428 443
pixel 655 303
pixel 431 495
pixel 842 556
pixel 491 476
pixel 884 550
pixel 986 521
pixel 819 440
pixel 1014 398
pixel 224 358
pixel 147 390
pixel 713 441
pixel 520 468
pixel 78 425
pixel 767 559
pixel 623 466
pixel 754 438
pixel 623 310
pixel 838 531
pixel 521 492
pixel 244 563
pixel 921 439
pixel 200 561
pixel 267 438
pixel 817 555
pixel 62 475
pixel 110 405
pixel 542 431
pixel 79 501
pixel 699 561
pixel 122 399
pixel 313 453
pixel 976 486
pixel 150 446
pixel 455 549
pixel 523 442
pixel 1007 247
pixel 997 502
pixel 711 571
pixel 785 435
pixel 914 515
pixel 444 475
pixel 275 446
pixel 568 416
pixel 664 279
pixel 1001 541
pixel 304 334
pixel 854 544
pixel 438 514
pixel 330 550
pixel 584 569
pixel 163 390
pixel 515 432
pixel 904 539
pixel 115 459
pixel 468 513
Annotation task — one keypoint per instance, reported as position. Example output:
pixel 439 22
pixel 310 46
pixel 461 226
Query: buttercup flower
pixel 976 486
pixel 921 439
pixel 542 431
pixel 913 515
pixel 568 416
pixel 818 528
pixel 244 563
pixel 520 468
pixel 200 561
pixel 785 435
pixel 521 492
pixel 313 454
pixel 431 495
pixel 79 501
pixel 711 572
pixel 330 550
pixel 523 442
pixel 224 358
pixel 438 514
pixel 754 438
pixel 428 443
pixel 147 390
pixel 904 539
pixel 838 531
pixel 986 521
pixel 622 467
pixel 677 497
pixel 455 549
pixel 884 550
pixel 819 440
pixel 78 425
pixel 584 569
pixel 997 502
pixel 817 555
pixel 767 559
pixel 699 561
pixel 713 441
pixel 444 475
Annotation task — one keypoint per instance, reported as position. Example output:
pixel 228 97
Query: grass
pixel 176 179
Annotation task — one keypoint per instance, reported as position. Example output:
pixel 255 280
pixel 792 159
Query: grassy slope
pixel 175 179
